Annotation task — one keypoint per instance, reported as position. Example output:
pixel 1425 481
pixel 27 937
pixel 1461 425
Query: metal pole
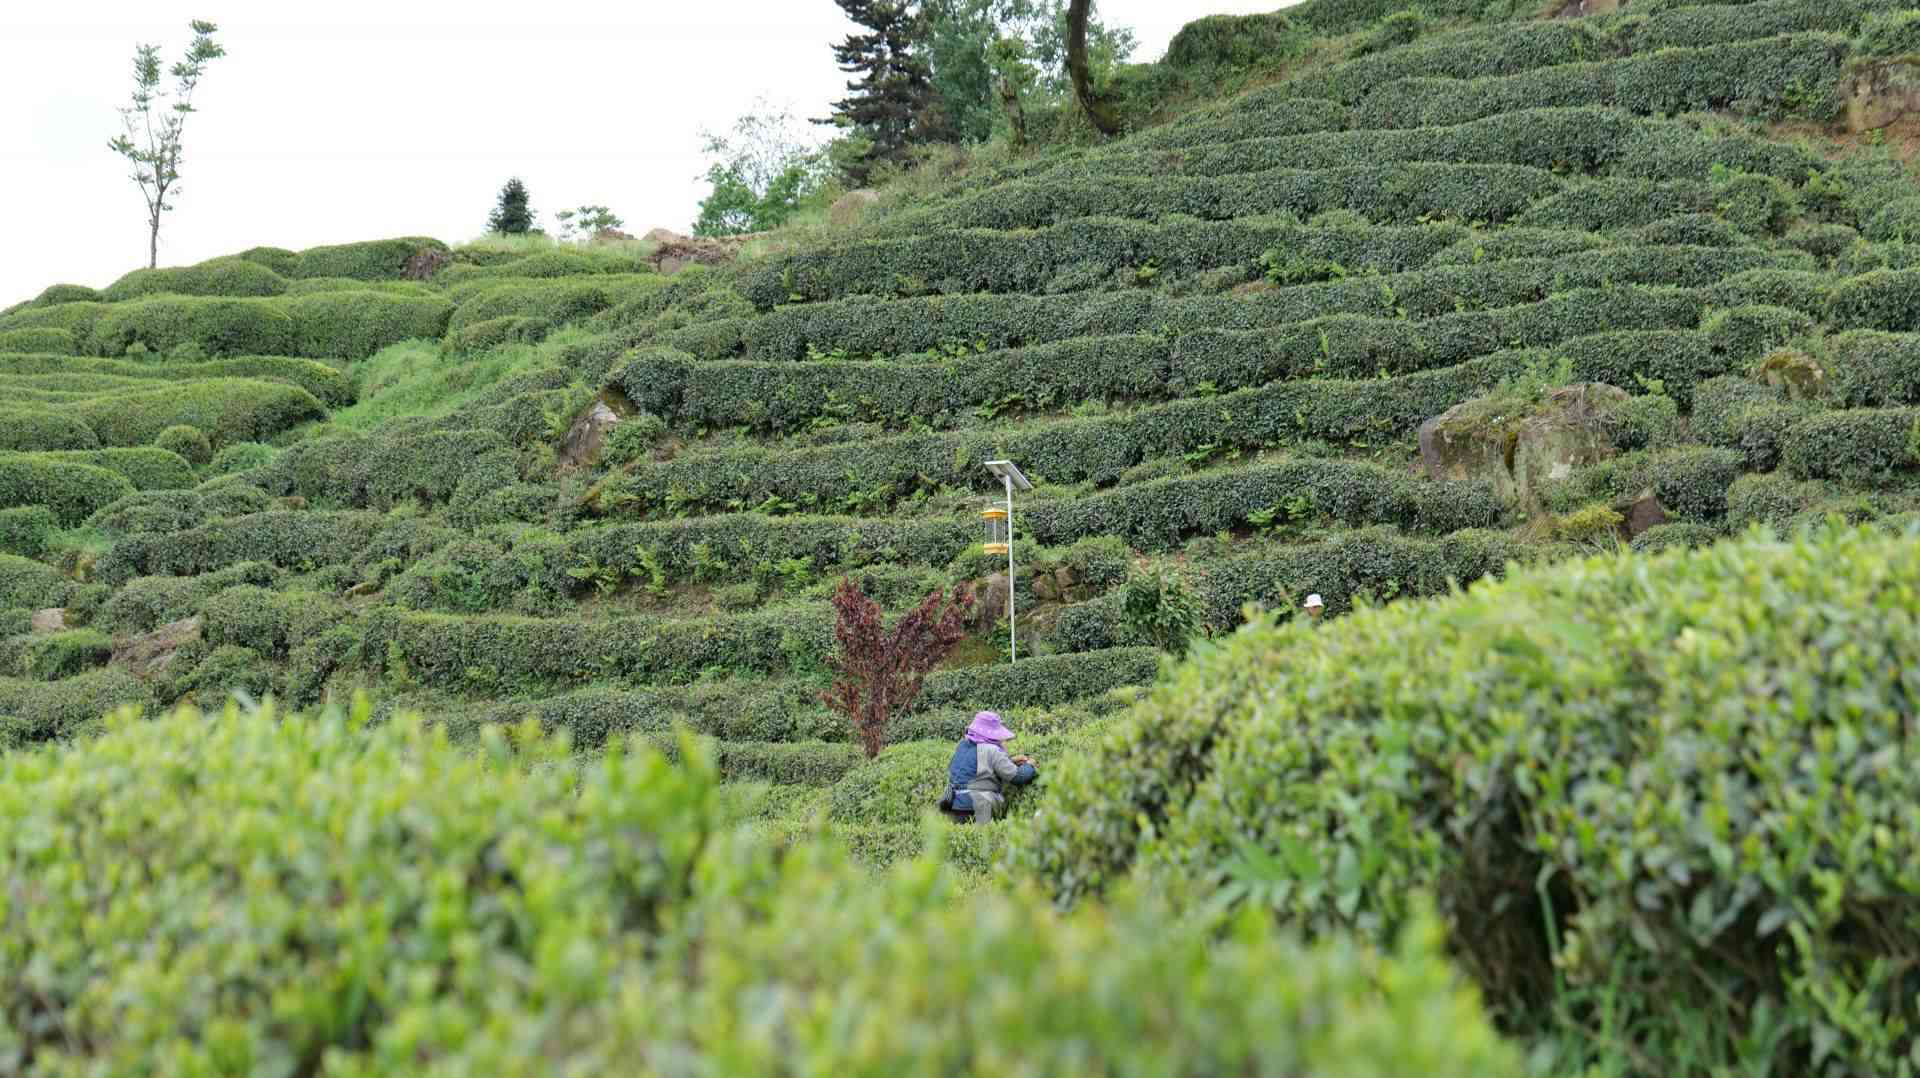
pixel 1013 643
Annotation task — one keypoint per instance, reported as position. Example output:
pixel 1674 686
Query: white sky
pixel 349 120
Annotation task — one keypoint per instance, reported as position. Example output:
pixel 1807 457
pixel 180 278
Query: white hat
pixel 1314 600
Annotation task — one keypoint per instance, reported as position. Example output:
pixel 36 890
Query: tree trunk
pixel 1097 111
pixel 1016 113
pixel 153 243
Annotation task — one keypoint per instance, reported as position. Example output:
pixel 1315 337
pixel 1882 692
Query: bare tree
pixel 154 122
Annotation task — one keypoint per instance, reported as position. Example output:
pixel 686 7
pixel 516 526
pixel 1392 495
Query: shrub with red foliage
pixel 881 670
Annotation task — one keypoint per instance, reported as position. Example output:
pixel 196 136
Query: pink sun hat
pixel 987 727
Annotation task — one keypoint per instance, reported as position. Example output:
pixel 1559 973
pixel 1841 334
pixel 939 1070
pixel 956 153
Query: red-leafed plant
pixel 881 670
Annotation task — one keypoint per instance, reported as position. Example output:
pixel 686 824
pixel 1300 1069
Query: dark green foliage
pixel 33 712
pixel 269 622
pixel 278 259
pixel 1898 221
pixel 512 214
pixel 227 409
pixel 1682 536
pixel 1756 204
pixel 1740 414
pixel 216 327
pixel 1771 500
pixel 1074 256
pixel 241 457
pixel 27 583
pixel 147 468
pixel 27 427
pixel 478 337
pixel 1207 46
pixel 1379 734
pixel 43 339
pixel 1861 445
pixel 396 465
pixel 216 277
pixel 557 302
pixel 189 443
pixel 1883 299
pixel 142 604
pixel 332 387
pixel 71 491
pixel 1691 482
pixel 25 529
pixel 1895 34
pixel 1752 332
pixel 55 656
pixel 373 260
pixel 1791 74
pixel 55 294
pixel 226 670
pixel 355 325
pixel 1869 370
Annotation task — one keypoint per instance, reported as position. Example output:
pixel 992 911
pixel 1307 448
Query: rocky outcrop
pixel 587 435
pixel 1519 447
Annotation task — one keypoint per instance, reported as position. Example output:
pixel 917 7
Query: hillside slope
pixel 1212 344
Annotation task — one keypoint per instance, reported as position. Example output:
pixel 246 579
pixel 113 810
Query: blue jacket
pixel 983 768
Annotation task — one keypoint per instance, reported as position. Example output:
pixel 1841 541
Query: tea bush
pixel 25 530
pixel 214 326
pixel 278 259
pixel 1501 748
pixel 54 656
pixel 34 712
pixel 1073 256
pixel 355 325
pixel 373 260
pixel 1883 299
pixel 639 875
pixel 214 277
pixel 332 387
pixel 1860 444
pixel 188 443
pixel 43 339
pixel 1785 75
pixel 147 468
pixel 557 302
pixel 71 491
pixel 227 409
pixel 34 429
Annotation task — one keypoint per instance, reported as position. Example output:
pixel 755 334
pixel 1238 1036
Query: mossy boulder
pixel 1519 443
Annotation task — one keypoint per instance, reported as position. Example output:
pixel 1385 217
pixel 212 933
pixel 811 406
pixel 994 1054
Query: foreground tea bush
pixel 1671 797
pixel 295 895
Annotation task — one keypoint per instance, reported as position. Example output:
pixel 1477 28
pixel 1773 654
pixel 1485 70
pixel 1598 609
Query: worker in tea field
pixel 1315 606
pixel 980 770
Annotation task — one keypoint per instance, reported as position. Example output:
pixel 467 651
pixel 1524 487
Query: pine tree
pixel 512 216
pixel 893 103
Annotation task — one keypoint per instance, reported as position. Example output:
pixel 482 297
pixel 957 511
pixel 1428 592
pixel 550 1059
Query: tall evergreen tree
pixel 893 103
pixel 512 215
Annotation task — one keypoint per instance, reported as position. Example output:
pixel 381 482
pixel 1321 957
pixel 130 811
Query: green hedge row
pixel 622 873
pixel 332 387
pixel 178 510
pixel 1883 299
pixel 1584 140
pixel 230 277
pixel 72 491
pixel 147 468
pixel 574 262
pixel 26 529
pixel 34 712
pixel 1491 51
pixel 1870 370
pixel 1738 413
pixel 145 603
pixel 558 302
pixel 30 584
pixel 1792 74
pixel 43 339
pixel 400 463
pixel 227 409
pixel 1691 482
pixel 787 396
pixel 1860 444
pixel 1502 749
pixel 1387 193
pixel 1710 25
pixel 492 655
pixel 1615 202
pixel 334 325
pixel 1074 256
pixel 1263 111
pixel 371 260
pixel 289 539
pixel 76 317
pixel 871 326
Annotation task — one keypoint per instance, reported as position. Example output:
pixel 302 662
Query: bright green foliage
pixel 32 712
pixel 215 277
pixel 27 583
pixel 227 409
pixel 600 882
pixel 71 491
pixel 373 260
pixel 55 656
pixel 216 327
pixel 240 457
pixel 1501 749
pixel 25 530
pixel 146 467
pixel 190 443
pixel 355 325
pixel 45 339
pixel 37 429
